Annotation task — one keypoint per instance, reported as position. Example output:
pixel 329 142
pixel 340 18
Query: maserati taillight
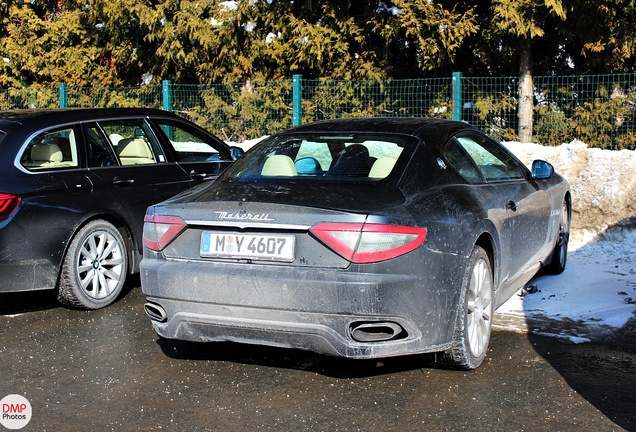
pixel 160 230
pixel 8 203
pixel 366 243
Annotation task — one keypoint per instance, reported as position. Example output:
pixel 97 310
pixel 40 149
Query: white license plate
pixel 248 246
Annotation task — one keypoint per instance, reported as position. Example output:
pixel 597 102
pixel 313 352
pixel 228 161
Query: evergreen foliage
pixel 114 43
pixel 350 49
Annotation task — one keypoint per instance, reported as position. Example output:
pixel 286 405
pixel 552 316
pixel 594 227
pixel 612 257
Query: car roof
pixel 47 116
pixel 429 129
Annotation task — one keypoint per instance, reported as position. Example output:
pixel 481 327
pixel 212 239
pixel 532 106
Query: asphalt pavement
pixel 107 370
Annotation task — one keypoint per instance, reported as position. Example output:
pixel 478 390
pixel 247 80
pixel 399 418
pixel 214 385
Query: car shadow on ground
pixel 32 301
pixel 604 373
pixel 334 367
pixel 603 369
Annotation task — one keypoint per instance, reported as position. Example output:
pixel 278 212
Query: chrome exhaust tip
pixel 376 331
pixel 155 312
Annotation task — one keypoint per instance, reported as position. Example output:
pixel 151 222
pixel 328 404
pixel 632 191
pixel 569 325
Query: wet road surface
pixel 107 370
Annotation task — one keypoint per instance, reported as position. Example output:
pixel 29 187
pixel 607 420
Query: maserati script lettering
pixel 243 216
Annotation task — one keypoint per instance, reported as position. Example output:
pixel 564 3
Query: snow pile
pixel 596 294
pixel 603 182
pixel 247 144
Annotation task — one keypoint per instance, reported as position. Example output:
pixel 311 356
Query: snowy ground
pixel 596 294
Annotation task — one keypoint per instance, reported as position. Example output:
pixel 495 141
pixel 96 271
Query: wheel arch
pixel 134 257
pixel 487 242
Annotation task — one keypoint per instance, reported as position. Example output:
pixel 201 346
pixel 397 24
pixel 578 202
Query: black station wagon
pixel 74 188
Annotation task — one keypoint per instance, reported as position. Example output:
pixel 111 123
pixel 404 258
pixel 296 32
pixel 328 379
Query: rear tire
pixel 95 267
pixel 560 253
pixel 474 320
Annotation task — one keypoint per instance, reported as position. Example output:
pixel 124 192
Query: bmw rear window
pixel 325 157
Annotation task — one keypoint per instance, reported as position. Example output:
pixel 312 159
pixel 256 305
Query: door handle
pixel 195 175
pixel 123 182
pixel 511 205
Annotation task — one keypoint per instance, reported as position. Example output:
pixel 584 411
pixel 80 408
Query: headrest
pixel 47 153
pixel 279 165
pixel 131 148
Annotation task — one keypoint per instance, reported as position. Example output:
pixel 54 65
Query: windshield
pixel 351 157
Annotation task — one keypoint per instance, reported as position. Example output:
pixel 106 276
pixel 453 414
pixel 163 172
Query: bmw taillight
pixel 366 243
pixel 8 203
pixel 160 230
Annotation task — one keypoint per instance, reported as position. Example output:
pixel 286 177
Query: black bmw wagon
pixel 74 188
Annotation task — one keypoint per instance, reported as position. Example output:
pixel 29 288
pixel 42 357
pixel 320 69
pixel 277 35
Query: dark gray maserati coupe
pixel 360 238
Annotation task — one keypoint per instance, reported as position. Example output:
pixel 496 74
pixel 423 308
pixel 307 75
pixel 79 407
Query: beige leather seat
pixel 133 151
pixel 42 154
pixel 382 167
pixel 280 166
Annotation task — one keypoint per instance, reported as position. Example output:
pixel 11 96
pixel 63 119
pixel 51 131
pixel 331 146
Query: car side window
pixel 459 159
pixel 51 150
pixel 100 152
pixel 133 141
pixel 494 163
pixel 190 144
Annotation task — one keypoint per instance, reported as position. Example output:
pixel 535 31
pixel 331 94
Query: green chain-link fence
pixel 598 109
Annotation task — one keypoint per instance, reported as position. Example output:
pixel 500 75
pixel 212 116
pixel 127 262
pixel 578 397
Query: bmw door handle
pixel 123 182
pixel 196 175
pixel 511 205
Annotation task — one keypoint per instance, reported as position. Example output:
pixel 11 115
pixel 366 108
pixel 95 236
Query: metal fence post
pixel 457 96
pixel 297 100
pixel 63 96
pixel 166 92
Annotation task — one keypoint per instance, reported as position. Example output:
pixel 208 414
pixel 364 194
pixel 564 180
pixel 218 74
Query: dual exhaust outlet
pixel 360 332
pixel 155 312
pixel 376 331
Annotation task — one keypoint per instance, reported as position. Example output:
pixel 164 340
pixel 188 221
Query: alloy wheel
pixel 479 308
pixel 100 264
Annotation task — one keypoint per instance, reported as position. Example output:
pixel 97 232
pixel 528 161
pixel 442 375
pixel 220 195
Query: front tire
pixel 94 268
pixel 474 320
pixel 560 252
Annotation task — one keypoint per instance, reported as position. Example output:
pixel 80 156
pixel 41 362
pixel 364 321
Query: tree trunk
pixel 526 93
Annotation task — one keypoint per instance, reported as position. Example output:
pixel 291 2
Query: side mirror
pixel 307 166
pixel 542 170
pixel 236 152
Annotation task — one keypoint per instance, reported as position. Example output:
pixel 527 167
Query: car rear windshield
pixel 325 157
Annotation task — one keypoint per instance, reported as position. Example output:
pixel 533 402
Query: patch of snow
pixel 597 290
pixel 247 144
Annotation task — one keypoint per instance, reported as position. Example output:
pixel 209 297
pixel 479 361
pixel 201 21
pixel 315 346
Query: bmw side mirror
pixel 236 152
pixel 542 169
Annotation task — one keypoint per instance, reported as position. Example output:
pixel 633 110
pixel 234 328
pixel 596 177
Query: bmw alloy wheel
pixel 95 267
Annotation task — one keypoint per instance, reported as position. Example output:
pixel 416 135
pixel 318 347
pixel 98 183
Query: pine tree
pixel 525 19
pixel 600 36
pixel 75 42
